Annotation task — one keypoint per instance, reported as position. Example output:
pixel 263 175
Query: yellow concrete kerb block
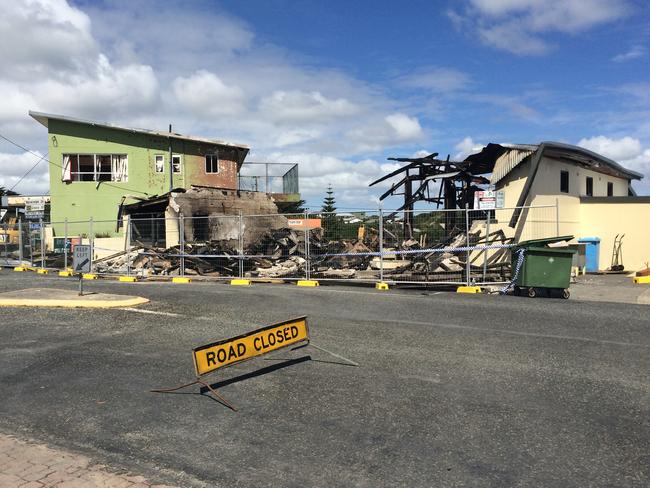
pixel 42 271
pixel 89 276
pixel 308 283
pixel 240 282
pixel 181 279
pixel 381 286
pixel 128 279
pixel 20 269
pixel 468 289
pixel 639 280
pixel 65 274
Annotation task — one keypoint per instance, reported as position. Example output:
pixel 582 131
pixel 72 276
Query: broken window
pixel 564 181
pixel 176 163
pixel 103 168
pixel 590 186
pixel 160 163
pixel 95 167
pixel 211 163
pixel 610 189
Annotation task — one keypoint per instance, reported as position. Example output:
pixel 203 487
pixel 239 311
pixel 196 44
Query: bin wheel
pixel 532 293
pixel 565 293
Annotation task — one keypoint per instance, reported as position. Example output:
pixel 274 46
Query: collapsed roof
pixel 503 158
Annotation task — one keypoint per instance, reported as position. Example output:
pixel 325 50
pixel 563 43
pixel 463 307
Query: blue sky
pixel 335 86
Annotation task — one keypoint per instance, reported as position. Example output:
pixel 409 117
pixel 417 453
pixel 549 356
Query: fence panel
pixel 419 247
pixel 274 246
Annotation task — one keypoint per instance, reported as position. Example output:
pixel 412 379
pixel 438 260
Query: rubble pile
pixel 280 253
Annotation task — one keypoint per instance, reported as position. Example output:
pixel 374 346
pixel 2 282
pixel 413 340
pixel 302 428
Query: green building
pixel 97 167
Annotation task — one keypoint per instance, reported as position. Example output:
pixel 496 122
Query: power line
pixel 59 166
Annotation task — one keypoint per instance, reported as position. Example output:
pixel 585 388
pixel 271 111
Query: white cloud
pixel 206 94
pixel 43 35
pixel 621 149
pixel 14 166
pixel 628 151
pixel 466 147
pixel 152 63
pixel 436 79
pixel 298 106
pixel 394 129
pixel 633 53
pixel 520 26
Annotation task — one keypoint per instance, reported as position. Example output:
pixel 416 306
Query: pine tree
pixel 329 219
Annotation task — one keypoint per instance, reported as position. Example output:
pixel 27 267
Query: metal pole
pixel 467 264
pixel 181 238
pixel 65 244
pixel 557 217
pixel 171 164
pixel 241 245
pixel 91 241
pixel 487 242
pixel 381 244
pixel 266 167
pixel 40 227
pixel 307 263
pixel 128 247
pixel 20 242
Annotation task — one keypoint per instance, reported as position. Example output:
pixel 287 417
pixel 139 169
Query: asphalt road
pixel 453 390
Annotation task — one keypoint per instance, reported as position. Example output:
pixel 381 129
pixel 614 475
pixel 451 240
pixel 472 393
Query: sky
pixel 335 86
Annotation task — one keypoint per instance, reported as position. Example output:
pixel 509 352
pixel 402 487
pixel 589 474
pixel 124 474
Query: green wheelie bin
pixel 542 270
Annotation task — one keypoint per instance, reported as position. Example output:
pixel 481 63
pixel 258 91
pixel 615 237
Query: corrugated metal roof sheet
pixel 508 161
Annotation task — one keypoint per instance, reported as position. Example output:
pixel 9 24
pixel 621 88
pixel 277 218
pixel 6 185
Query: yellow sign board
pixel 217 355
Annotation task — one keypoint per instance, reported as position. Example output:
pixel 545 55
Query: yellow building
pixel 593 195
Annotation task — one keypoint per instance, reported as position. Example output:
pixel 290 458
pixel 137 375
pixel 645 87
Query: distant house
pixel 98 166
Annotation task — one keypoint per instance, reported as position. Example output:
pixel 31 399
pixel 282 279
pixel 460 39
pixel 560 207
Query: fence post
pixel 91 241
pixel 467 264
pixel 557 217
pixel 181 241
pixel 40 227
pixel 128 247
pixel 381 244
pixel 6 243
pixel 241 245
pixel 307 250
pixel 20 242
pixel 487 242
pixel 65 244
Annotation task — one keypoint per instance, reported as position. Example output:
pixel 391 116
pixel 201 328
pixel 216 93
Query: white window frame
pixel 180 164
pixel 155 163
pixel 213 156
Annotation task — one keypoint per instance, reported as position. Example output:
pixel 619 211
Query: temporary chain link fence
pixel 462 246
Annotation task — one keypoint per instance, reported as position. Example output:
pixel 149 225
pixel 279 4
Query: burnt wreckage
pixel 456 183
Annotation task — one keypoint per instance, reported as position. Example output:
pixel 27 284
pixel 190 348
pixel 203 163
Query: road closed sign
pixel 217 355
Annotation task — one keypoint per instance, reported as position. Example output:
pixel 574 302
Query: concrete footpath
pixel 28 465
pixel 610 288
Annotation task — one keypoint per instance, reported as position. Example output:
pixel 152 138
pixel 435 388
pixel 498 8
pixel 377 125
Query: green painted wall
pixel 81 200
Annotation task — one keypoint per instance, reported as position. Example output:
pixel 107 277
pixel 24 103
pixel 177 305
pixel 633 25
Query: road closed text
pixel 224 353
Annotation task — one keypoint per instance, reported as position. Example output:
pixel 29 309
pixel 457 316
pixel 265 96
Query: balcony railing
pixel 269 177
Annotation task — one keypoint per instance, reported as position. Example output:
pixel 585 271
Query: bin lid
pixel 543 242
pixel 589 239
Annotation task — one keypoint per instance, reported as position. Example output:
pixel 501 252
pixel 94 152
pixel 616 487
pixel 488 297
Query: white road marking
pixel 153 312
